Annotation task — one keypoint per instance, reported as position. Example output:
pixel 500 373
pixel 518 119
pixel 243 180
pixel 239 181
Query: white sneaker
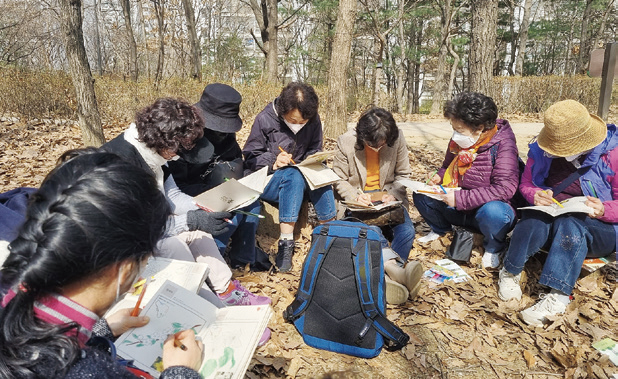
pixel 509 287
pixel 549 305
pixel 432 236
pixel 491 260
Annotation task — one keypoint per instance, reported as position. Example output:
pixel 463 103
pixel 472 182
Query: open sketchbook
pixel 375 207
pixel 230 334
pixel 189 275
pixel 227 196
pixel 435 192
pixel 571 205
pixel 316 172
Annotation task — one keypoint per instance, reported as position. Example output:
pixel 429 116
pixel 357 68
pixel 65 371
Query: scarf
pixel 464 158
pixel 150 156
pixel 59 310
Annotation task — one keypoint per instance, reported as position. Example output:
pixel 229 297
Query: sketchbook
pixel 355 206
pixel 435 192
pixel 572 205
pixel 226 197
pixel 315 170
pixel 230 335
pixel 593 264
pixel 189 275
pixel 257 180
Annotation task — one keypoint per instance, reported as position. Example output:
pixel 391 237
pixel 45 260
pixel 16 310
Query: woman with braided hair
pixel 89 231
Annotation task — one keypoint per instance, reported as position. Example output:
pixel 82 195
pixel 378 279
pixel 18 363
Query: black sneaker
pixel 284 255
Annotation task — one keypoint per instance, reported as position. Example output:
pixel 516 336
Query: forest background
pixel 73 72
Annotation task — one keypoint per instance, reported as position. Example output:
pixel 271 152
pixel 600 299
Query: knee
pixel 496 213
pixel 293 179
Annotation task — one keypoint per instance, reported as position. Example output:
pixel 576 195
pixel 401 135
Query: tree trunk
pixel 451 81
pixel 97 39
pixel 584 40
pixel 483 41
pixel 126 12
pixel 267 17
pixel 441 71
pixel 159 11
pixel 142 25
pixel 196 56
pixel 523 38
pixel 401 72
pixel 335 108
pixel 87 110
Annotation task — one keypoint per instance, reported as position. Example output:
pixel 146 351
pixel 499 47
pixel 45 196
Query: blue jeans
pixel 288 187
pixel 242 233
pixel 401 236
pixel 493 219
pixel 569 239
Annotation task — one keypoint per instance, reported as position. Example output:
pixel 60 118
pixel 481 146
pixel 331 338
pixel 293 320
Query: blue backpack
pixel 340 303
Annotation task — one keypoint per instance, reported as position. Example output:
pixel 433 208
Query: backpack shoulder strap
pixel 310 271
pixel 395 338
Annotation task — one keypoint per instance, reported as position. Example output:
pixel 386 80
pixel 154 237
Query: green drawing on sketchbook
pixel 210 366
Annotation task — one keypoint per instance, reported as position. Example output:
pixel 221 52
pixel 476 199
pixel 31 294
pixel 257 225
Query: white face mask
pixel 463 141
pixel 295 128
pixel 135 279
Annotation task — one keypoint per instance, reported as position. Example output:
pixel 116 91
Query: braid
pixel 91 211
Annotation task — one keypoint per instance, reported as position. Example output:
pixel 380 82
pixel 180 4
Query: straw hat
pixel 569 129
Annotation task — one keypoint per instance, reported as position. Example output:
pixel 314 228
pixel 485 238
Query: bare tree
pixel 584 47
pixel 159 6
pixel 335 116
pixel 267 17
pixel 97 39
pixel 194 42
pixel 523 38
pixel 87 110
pixel 126 12
pixel 483 36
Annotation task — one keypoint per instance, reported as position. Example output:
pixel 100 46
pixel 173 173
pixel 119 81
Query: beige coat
pixel 351 166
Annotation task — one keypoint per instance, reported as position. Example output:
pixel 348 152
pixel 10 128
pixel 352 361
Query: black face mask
pixel 215 137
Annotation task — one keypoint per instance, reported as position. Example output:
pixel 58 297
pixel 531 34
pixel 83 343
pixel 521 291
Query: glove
pixel 209 222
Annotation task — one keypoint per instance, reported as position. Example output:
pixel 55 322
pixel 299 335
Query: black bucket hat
pixel 219 107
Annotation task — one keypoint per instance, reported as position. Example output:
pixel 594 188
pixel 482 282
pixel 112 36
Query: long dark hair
pixel 374 126
pixel 92 211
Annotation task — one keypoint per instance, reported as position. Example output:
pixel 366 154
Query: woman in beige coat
pixel 372 158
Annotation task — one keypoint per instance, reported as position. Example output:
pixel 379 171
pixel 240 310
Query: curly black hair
pixel 299 96
pixel 374 126
pixel 477 111
pixel 169 124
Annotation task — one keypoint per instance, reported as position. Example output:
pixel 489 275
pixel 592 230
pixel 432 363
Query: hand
pixel 283 159
pixel 364 199
pixel 597 206
pixel 449 198
pixel 543 197
pixel 387 198
pixel 122 321
pixel 209 222
pixel 190 357
pixel 435 180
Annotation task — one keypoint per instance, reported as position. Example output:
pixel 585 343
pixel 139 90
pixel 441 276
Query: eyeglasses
pixel 376 145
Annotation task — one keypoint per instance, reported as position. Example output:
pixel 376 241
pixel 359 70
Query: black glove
pixel 209 222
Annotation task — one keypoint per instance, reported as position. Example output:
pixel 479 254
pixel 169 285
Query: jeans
pixel 288 188
pixel 242 234
pixel 493 219
pixel 402 236
pixel 569 239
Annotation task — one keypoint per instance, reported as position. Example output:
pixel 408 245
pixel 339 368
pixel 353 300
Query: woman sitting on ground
pixel 160 131
pixel 370 159
pixel 89 232
pixel 482 160
pixel 286 132
pixel 575 154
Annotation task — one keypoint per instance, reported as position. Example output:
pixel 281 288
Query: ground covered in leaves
pixel 457 330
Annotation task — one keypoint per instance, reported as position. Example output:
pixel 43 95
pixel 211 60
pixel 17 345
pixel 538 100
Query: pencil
pixel 431 176
pixel 283 151
pixel 135 311
pixel 433 193
pixel 179 344
pixel 249 214
pixel 442 188
pixel 555 201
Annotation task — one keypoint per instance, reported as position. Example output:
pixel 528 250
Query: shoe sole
pixel 395 293
pixel 530 321
pixel 414 273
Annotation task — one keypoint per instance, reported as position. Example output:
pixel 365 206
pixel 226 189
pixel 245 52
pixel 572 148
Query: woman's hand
pixel 364 199
pixel 122 321
pixel 387 198
pixel 543 197
pixel 449 198
pixel 597 206
pixel 283 159
pixel 182 349
pixel 435 180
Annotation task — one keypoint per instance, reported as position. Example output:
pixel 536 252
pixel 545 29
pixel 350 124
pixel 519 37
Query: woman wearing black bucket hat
pixel 575 154
pixel 215 158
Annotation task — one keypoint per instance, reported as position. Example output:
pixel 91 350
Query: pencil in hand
pixel 135 311
pixel 554 200
pixel 179 344
pixel 283 151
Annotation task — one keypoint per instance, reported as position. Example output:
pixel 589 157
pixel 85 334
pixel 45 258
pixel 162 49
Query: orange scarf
pixel 464 158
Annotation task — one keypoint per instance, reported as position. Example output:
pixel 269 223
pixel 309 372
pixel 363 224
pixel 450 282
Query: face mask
pixel 295 128
pixel 464 141
pixel 571 158
pixel 140 269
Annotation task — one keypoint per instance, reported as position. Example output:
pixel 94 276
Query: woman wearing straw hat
pixel 575 154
